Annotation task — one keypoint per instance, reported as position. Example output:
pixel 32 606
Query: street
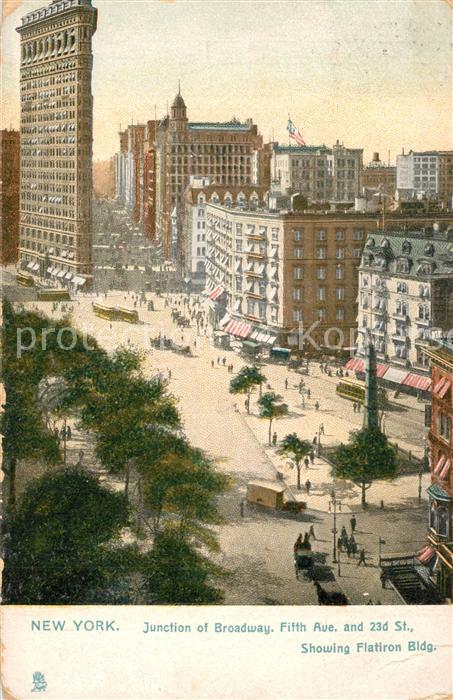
pixel 256 548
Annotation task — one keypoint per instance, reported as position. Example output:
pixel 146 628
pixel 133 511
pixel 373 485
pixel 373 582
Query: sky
pixel 375 74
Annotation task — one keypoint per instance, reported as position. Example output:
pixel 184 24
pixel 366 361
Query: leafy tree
pixel 271 408
pixel 56 543
pixel 367 457
pixel 176 573
pixel 245 381
pixel 297 449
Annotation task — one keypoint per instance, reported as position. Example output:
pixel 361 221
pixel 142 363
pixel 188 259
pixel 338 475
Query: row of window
pixel 321 314
pixel 321 273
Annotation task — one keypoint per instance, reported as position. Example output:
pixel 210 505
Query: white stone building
pixel 405 296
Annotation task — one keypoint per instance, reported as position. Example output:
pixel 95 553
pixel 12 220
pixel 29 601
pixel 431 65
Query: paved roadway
pixel 257 548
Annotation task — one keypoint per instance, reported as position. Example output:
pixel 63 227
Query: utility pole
pixel 334 502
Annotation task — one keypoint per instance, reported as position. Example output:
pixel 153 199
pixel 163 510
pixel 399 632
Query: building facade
pixel 378 176
pixel 440 491
pixel 9 195
pixel 428 174
pixel 319 173
pixel 198 195
pixel 222 151
pixel 56 141
pixel 405 296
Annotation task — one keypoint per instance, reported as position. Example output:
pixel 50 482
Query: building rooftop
pixel 233 125
pixel 302 150
pixel 56 7
pixel 416 253
pixel 222 190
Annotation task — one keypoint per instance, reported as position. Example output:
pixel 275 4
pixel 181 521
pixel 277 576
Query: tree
pixel 57 542
pixel 367 457
pixel 297 449
pixel 245 381
pixel 271 408
pixel 176 573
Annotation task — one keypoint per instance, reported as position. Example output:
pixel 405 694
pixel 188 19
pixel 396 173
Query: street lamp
pixel 420 476
pixel 380 543
pixel 334 503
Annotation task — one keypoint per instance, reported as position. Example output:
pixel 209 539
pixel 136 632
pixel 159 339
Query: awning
pixel 438 493
pixel 417 381
pixel 355 364
pixel 35 267
pixel 443 476
pixel 50 270
pixel 61 273
pixel 395 375
pixel 381 370
pixel 426 554
pixel 238 328
pixel 440 463
pixel 445 387
pixel 68 276
pixel 442 468
pixel 55 271
pixel 79 281
pixel 439 385
pixel 252 344
pixel 216 293
pixel 30 266
pixel 224 320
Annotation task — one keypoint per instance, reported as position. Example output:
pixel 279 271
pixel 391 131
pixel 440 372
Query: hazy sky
pixel 375 74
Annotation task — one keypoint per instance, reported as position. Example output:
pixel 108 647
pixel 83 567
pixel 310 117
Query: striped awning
pixel 238 328
pixel 426 554
pixel 442 387
pixel 355 364
pixel 442 468
pixel 395 375
pixel 417 381
pixel 381 369
pixel 216 293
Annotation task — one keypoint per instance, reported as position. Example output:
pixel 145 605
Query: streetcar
pixel 354 390
pixel 129 315
pixel 53 295
pixel 25 280
pixel 107 312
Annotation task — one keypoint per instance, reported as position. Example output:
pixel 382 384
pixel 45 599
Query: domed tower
pixel 178 114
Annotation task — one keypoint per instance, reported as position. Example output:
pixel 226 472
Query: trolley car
pixel 25 280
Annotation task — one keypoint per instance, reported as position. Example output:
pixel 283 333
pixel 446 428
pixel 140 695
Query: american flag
pixel 294 133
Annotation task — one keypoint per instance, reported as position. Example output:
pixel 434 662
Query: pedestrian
pixel 311 532
pixel 212 363
pixel 317 406
pixel 169 373
pixel 308 486
pixel 274 438
pixel 315 440
pixel 362 559
pixel 69 432
pixel 344 536
pixel 286 384
pixel 358 406
pixel 306 462
pixel 321 367
pixel 224 361
pixel 218 360
pixel 312 457
pixel 321 429
pixel 384 579
pixel 308 393
pixel 353 522
pixel 354 406
pixel 242 508
pixel 349 550
pixel 340 544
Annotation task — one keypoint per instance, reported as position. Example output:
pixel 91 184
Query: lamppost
pixel 334 503
pixel 420 476
pixel 380 543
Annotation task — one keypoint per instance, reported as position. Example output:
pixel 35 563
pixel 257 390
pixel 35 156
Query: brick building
pixel 56 141
pixel 9 195
pixel 223 151
pixel 290 271
pixel 440 533
pixel 379 176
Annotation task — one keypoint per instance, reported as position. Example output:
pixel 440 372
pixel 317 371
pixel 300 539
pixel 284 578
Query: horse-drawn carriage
pixel 329 593
pixel 303 560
